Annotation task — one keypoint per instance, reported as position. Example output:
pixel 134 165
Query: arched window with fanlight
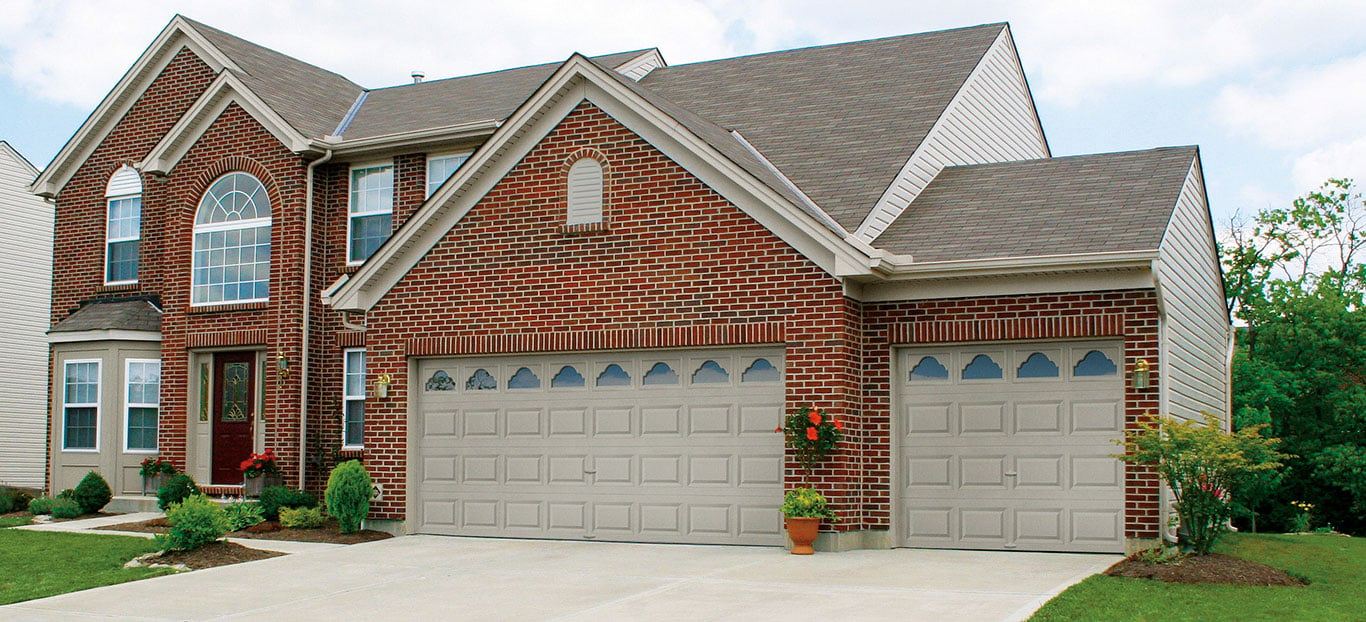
pixel 232 242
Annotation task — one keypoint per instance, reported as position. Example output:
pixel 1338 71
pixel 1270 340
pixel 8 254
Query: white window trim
pixel 348 398
pixel 250 223
pixel 99 388
pixel 441 156
pixel 128 404
pixel 108 200
pixel 352 215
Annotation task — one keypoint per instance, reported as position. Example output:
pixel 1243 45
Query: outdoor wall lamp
pixel 282 366
pixel 382 386
pixel 1141 375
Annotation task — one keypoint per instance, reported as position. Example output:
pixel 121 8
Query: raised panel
pixel 654 420
pixel 438 469
pixel 1039 471
pixel 712 519
pixel 567 422
pixel 480 423
pixel 760 521
pixel 612 470
pixel 760 419
pixel 709 470
pixel 982 418
pixel 927 419
pixel 1096 525
pixel 612 517
pixel 479 470
pixel 524 422
pixel 612 421
pixel 1096 417
pixel 982 523
pixel 661 470
pixel 927 471
pixel 709 420
pixel 660 518
pixel 439 512
pixel 1044 526
pixel 1096 472
pixel 567 469
pixel 523 514
pixel 523 469
pixel 438 424
pixel 1038 418
pixel 761 470
pixel 929 522
pixel 566 515
pixel 479 513
pixel 981 472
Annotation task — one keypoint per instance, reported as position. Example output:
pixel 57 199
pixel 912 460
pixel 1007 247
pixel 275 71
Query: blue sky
pixel 1273 92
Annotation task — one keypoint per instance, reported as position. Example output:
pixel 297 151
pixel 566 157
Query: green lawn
pixel 1334 565
pixel 35 564
pixel 14 521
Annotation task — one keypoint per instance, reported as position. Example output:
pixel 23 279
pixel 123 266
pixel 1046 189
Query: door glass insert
pixel 929 368
pixel 1095 363
pixel 761 371
pixel 1038 365
pixel 982 367
pixel 236 379
pixel 661 373
pixel 567 377
pixel 710 372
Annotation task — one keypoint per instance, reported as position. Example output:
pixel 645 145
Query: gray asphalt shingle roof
pixel 1069 205
pixel 123 315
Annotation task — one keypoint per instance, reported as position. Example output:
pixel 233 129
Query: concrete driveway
pixel 433 577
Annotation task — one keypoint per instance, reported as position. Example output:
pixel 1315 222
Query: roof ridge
pixel 498 71
pixel 840 44
pixel 218 31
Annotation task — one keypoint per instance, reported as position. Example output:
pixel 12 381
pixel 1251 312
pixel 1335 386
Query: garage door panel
pixel 1019 461
pixel 689 456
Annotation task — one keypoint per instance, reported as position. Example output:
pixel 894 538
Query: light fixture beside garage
pixel 282 366
pixel 382 383
pixel 1141 374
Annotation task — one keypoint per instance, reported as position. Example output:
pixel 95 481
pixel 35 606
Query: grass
pixel 1335 567
pixel 14 521
pixel 37 564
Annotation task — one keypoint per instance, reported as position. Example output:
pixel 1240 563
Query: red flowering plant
pixel 155 465
pixel 260 464
pixel 812 435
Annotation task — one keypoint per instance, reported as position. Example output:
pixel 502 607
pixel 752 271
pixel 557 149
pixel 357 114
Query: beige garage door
pixel 1008 447
pixel 663 446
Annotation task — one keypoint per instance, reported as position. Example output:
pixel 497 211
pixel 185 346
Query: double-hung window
pixel 81 406
pixel 353 389
pixel 440 168
pixel 371 211
pixel 143 403
pixel 123 226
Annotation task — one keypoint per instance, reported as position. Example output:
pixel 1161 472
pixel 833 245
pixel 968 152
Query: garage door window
pixel 481 380
pixel 614 376
pixel 440 381
pixel 661 373
pixel 710 372
pixel 929 368
pixel 524 379
pixel 761 371
pixel 982 367
pixel 1094 364
pixel 1038 365
pixel 567 378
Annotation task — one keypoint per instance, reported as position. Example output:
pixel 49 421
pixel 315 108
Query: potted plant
pixel 260 472
pixel 154 471
pixel 812 436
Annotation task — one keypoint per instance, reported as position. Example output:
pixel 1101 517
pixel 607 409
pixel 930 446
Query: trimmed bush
pixel 348 495
pixel 13 499
pixel 176 490
pixel 195 522
pixel 301 518
pixel 243 514
pixel 40 505
pixel 274 498
pixel 66 508
pixel 67 494
pixel 93 493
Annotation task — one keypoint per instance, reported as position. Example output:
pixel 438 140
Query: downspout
pixel 308 305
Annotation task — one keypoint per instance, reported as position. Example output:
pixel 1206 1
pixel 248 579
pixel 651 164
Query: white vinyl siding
pixel 353 389
pixel 142 404
pixel 25 285
pixel 440 168
pixel 370 212
pixel 991 119
pixel 585 192
pixel 81 405
pixel 1196 326
pixel 123 227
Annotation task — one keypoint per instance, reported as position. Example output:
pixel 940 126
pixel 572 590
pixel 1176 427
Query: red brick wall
pixel 673 254
pixel 1131 315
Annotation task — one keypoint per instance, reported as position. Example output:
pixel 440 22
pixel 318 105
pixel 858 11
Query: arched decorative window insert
pixel 982 367
pixel 440 381
pixel 481 380
pixel 1095 363
pixel 1038 365
pixel 585 192
pixel 524 379
pixel 929 368
pixel 661 373
pixel 123 228
pixel 614 376
pixel 232 242
pixel 761 371
pixel 567 377
pixel 710 372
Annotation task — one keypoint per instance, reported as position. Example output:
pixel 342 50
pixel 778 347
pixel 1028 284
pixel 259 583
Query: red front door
pixel 234 403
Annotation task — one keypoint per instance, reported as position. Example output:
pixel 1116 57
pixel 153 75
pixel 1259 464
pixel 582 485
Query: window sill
pixel 584 229
pixel 118 287
pixel 224 308
pixel 351 452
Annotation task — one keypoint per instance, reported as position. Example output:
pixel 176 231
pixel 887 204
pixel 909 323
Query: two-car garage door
pixel 664 446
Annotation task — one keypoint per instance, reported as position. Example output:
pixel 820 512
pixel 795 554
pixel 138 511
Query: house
pixel 25 282
pixel 573 300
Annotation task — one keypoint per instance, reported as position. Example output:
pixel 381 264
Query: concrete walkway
pixel 90 525
pixel 433 577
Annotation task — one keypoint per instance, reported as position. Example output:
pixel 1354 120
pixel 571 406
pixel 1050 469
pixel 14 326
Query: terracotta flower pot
pixel 803 532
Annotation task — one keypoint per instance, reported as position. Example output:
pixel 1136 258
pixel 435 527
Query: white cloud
pixel 1339 159
pixel 1303 108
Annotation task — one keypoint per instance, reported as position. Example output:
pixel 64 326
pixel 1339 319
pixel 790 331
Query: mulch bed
pixel 1212 568
pixel 211 555
pixel 270 530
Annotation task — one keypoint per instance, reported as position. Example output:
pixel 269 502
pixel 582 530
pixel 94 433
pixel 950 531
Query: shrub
pixel 176 490
pixel 806 503
pixel 1201 463
pixel 243 514
pixel 13 499
pixel 301 518
pixel 348 495
pixel 273 498
pixel 92 493
pixel 196 521
pixel 67 494
pixel 65 508
pixel 40 505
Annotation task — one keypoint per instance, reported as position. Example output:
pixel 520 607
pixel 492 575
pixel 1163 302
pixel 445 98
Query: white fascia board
pixel 121 98
pixel 224 91
pixel 371 144
pixel 1136 277
pixel 103 335
pixel 899 271
pixel 576 81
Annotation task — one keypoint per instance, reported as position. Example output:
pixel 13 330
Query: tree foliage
pixel 1296 279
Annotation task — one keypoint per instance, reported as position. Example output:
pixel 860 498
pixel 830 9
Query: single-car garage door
pixel 1009 447
pixel 661 446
